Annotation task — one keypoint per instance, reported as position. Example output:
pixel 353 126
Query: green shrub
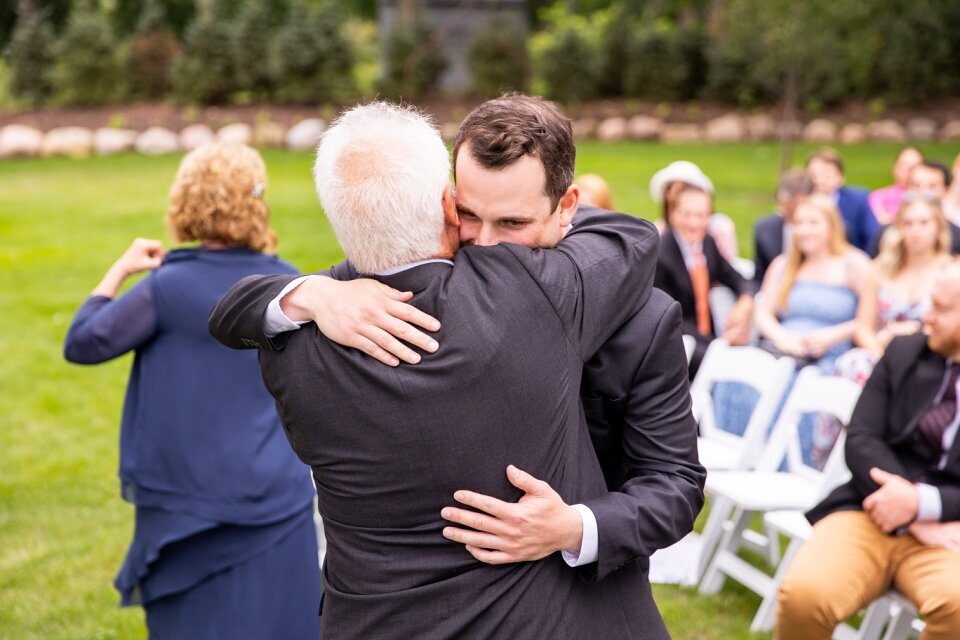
pixel 312 60
pixel 664 64
pixel 86 69
pixel 205 73
pixel 413 60
pixel 567 56
pixel 251 39
pixel 498 59
pixel 30 57
pixel 150 55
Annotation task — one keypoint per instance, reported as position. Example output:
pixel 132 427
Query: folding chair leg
pixel 764 618
pixel 901 625
pixel 713 579
pixel 712 532
pixel 773 546
pixel 874 619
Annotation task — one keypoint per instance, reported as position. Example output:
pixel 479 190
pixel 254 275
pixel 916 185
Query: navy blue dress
pixel 225 545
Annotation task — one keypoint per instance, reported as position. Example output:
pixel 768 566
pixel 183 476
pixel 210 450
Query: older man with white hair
pixel 388 446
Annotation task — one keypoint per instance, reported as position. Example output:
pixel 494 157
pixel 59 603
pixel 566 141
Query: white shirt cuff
pixel 588 545
pixel 275 321
pixel 930 506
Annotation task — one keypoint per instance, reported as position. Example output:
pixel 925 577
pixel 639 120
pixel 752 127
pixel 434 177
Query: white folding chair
pixel 767 374
pixel 689 344
pixel 743 494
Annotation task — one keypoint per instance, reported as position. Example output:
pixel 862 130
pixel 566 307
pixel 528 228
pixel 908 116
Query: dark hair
pixel 503 130
pixel 685 188
pixel 793 183
pixel 938 166
pixel 827 154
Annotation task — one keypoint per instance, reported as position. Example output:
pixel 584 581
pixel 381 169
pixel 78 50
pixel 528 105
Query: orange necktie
pixel 700 277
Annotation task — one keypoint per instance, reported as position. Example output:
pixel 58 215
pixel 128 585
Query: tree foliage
pixel 86 69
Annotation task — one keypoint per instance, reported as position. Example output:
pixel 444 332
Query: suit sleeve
pixel 237 320
pixel 868 225
pixel 663 494
pixel 598 276
pixel 760 259
pixel 866 445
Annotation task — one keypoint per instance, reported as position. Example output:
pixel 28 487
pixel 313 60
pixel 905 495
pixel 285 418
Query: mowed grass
pixel 63 527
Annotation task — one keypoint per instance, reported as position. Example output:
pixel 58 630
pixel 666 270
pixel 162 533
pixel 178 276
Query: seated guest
pixel 771 233
pixel 886 202
pixel 825 168
pixel 666 184
pixel 896 292
pixel 689 263
pixel 594 191
pixel 902 448
pixel 808 300
pixel 930 179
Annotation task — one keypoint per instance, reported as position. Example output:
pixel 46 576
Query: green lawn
pixel 63 528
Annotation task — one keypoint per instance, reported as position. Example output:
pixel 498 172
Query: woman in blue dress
pixel 224 543
pixel 808 301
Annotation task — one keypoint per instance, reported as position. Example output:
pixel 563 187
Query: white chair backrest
pixel 813 392
pixel 689 344
pixel 751 366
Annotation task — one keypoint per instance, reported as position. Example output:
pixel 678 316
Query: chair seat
pixel 790 522
pixel 717 455
pixel 763 490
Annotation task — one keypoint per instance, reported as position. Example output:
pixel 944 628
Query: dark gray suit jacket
pixel 389 446
pixel 636 397
pixel 883 430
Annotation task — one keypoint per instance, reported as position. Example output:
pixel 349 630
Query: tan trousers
pixel 849 562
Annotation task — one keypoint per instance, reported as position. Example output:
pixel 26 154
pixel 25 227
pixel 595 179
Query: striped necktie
pixel 938 417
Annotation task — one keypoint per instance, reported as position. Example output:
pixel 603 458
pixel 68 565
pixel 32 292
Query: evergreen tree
pixel 205 73
pixel 30 56
pixel 86 70
pixel 498 59
pixel 413 60
pixel 251 40
pixel 312 60
pixel 151 55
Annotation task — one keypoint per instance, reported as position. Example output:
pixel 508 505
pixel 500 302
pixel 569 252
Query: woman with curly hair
pixel 224 544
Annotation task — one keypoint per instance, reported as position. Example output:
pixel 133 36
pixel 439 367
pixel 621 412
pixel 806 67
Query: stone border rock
pixel 18 140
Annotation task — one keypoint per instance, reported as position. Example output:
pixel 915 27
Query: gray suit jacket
pixel 389 446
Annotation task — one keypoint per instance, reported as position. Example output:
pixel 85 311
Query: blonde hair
pixel 381 172
pixel 217 196
pixel 594 191
pixel 893 254
pixel 836 242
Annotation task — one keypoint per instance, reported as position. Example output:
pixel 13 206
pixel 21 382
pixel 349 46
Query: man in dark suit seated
pixel 929 179
pixel 690 263
pixel 772 232
pixel 897 522
pixel 825 167
pixel 634 389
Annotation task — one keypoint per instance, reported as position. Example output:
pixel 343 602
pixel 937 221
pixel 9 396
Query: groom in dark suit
pixel 389 446
pixel 897 522
pixel 634 390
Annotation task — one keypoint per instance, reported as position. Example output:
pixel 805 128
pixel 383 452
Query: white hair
pixel 380 172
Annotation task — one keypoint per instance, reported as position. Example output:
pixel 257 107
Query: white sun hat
pixel 679 171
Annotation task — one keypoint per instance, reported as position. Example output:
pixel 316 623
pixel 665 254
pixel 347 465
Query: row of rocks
pixel 733 127
pixel 22 140
pixel 79 142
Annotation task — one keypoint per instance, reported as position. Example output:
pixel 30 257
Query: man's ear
pixel 450 208
pixel 568 204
